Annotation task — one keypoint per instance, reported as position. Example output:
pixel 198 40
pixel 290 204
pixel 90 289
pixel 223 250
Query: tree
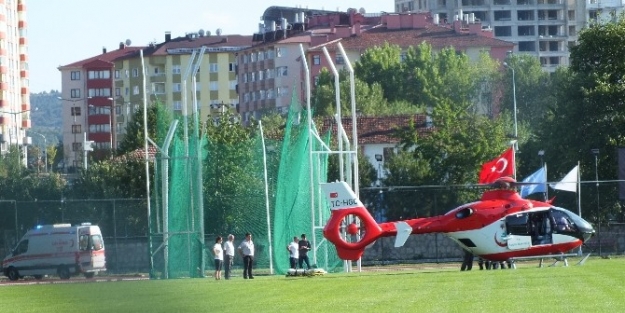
pixel 381 65
pixel 589 112
pixel 158 123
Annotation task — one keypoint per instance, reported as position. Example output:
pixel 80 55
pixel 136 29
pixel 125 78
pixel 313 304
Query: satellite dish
pixel 201 32
pixel 218 32
pixel 362 11
pixel 128 42
pixel 208 33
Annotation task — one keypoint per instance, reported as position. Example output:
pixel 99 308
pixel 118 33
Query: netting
pixel 251 184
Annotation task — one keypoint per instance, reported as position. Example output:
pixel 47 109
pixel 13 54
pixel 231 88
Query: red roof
pixel 437 36
pixel 378 129
pixel 108 57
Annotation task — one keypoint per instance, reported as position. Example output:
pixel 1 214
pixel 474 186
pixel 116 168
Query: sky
pixel 63 32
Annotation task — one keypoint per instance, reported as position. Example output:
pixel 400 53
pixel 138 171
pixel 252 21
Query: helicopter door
pixel 541 228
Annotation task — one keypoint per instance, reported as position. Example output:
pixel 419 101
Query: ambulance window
pixel 22 247
pixel 96 243
pixel 84 242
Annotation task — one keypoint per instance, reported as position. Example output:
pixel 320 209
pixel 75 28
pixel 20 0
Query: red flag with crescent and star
pixel 499 167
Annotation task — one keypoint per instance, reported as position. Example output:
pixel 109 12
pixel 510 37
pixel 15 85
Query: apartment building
pixel 14 90
pixel 87 103
pixel 272 70
pixel 543 28
pixel 166 65
pixel 100 94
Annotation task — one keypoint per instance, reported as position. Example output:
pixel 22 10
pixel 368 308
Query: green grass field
pixel 597 286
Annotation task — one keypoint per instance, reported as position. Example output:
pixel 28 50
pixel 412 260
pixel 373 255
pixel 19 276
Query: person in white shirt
pixel 218 252
pixel 246 249
pixel 228 255
pixel 293 249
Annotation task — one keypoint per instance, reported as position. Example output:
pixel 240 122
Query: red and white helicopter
pixel 501 226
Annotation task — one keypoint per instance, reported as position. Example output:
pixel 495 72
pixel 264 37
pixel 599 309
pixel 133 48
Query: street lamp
pixel 45 153
pixel 516 129
pixel 595 152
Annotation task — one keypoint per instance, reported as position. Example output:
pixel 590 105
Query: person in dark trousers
pixel 228 255
pixel 467 261
pixel 304 247
pixel 246 250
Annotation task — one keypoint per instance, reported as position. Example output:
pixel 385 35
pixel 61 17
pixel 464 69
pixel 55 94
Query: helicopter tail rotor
pixel 351 228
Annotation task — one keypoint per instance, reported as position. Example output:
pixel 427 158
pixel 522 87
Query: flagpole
pixel 579 191
pixel 546 188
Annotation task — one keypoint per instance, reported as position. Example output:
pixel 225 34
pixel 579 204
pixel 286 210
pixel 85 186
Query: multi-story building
pixel 543 28
pixel 166 66
pixel 109 86
pixel 272 69
pixel 87 103
pixel 14 91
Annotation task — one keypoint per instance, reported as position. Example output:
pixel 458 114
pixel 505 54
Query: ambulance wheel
pixel 13 274
pixel 89 275
pixel 63 272
pixel 38 277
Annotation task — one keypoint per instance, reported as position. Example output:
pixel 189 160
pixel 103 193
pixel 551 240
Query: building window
pixel 76 129
pixel 75 75
pixel 135 90
pixel 99 92
pixel 252 77
pixel 232 67
pixel 261 75
pixel 261 55
pixel 271 94
pixel 75 93
pixel 213 67
pixel 159 88
pixel 76 146
pixel 75 111
pixel 118 92
pixel 282 71
pixel 233 85
pixel 246 97
pixel 340 60
pixel 116 74
pixel 177 106
pixel 176 69
pixel 316 59
pixel 280 52
pixel 262 94
pixel 214 86
pixel 135 72
pixel 177 87
pixel 106 74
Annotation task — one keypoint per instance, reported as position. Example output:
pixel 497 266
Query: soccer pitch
pixel 596 286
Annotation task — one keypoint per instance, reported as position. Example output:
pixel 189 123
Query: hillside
pixel 46 116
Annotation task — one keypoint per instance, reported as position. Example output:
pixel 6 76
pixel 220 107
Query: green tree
pixel 381 65
pixel 158 122
pixel 589 113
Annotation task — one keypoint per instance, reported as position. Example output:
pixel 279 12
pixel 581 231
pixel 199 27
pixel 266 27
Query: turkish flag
pixel 499 167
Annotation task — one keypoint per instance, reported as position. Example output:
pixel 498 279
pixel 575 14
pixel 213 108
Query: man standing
pixel 293 248
pixel 246 249
pixel 304 247
pixel 229 255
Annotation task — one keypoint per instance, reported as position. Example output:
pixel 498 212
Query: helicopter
pixel 500 226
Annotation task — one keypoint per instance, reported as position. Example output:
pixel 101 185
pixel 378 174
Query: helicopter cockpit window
pixel 562 222
pixel 464 213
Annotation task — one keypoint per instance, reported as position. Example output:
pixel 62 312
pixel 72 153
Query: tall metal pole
pixel 596 154
pixel 45 145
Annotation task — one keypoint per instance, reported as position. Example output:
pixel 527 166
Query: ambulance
pixel 59 249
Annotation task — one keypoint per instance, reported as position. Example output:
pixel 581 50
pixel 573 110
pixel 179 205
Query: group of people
pixel 298 252
pixel 224 256
pixel 467 263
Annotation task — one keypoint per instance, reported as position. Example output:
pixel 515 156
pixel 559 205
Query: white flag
pixel 569 182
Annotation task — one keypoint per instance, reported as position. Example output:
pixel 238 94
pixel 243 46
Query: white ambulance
pixel 60 249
